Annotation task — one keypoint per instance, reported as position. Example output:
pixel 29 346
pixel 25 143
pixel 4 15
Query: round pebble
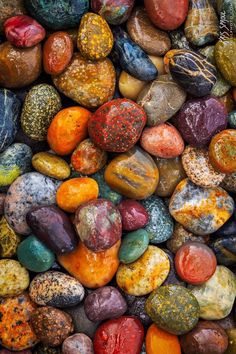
pixel 51 165
pixel 9 240
pixel 133 245
pixel 134 216
pixel 13 278
pixel 78 343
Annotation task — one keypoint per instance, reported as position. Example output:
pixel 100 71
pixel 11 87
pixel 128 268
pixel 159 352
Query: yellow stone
pixel 51 165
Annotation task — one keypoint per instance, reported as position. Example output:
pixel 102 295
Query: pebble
pixel 13 278
pixel 115 12
pixel 52 326
pixel 200 210
pixel 88 83
pixel 129 86
pixel 56 289
pixel 198 168
pixel 134 216
pixel 31 189
pixel 104 303
pixel 173 277
pixel 133 245
pixel 216 296
pixel 226 63
pixel 161 342
pixel 231 333
pixel 145 274
pixel 40 106
pixel 229 182
pixel 136 307
pixel 173 308
pixel 104 190
pixel 9 240
pixel 10 9
pixel 34 255
pixel 16 332
pixel 78 343
pixel 155 99
pixel 232 119
pixel 51 165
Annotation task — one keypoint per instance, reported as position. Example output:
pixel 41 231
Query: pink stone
pixel 134 215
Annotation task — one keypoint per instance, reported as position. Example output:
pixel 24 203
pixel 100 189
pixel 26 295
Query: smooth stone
pixel 225 249
pixel 31 189
pixel 16 332
pixel 227 101
pixel 228 322
pixel 173 308
pixel 9 9
pixel 136 307
pixel 129 86
pixel 232 119
pixel 9 240
pixel 160 225
pixel 41 104
pixel 56 289
pixel 145 274
pixel 180 236
pixel 132 174
pixel 221 86
pixel 104 303
pixel 179 40
pixel 9 112
pixel 229 182
pixel 60 15
pixel 14 278
pixel 216 296
pixel 201 26
pixel 200 210
pixel 36 146
pixel 53 227
pixel 228 229
pixel 14 161
pixel 105 191
pixel 86 82
pixel 173 277
pixel 133 245
pixel 115 12
pixel 146 35
pixel 231 333
pixel 198 168
pixel 171 172
pixel 34 255
pixel 158 340
pixel 200 119
pixel 51 165
pixel 76 344
pixel 19 67
pixel 132 58
pixel 228 8
pixel 225 59
pixel 134 216
pixel 155 98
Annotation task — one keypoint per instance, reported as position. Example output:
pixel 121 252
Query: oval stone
pixel 89 83
pixel 78 343
pixel 225 61
pixel 200 210
pixel 10 9
pixel 225 249
pixel 129 86
pixel 136 307
pixel 56 289
pixel 159 341
pixel 216 296
pixel 145 274
pixel 229 182
pixel 104 190
pixel 134 216
pixel 115 12
pixel 9 240
pixel 51 165
pixel 31 189
pixel 14 278
pixel 133 245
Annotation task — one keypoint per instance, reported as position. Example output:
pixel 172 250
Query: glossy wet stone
pixel 198 168
pixel 14 278
pixel 160 225
pixel 155 98
pixel 31 189
pixel 200 210
pixel 225 61
pixel 78 341
pixel 200 119
pixel 10 9
pixel 88 83
pixel 146 35
pixel 173 277
pixel 136 307
pixel 232 119
pixel 173 308
pixel 228 229
pixel 145 274
pixel 117 125
pixel 9 240
pixel 132 58
pixel 19 67
pixel 115 12
pixel 229 182
pixel 23 31
pixel 179 40
pixel 34 255
pixel 51 165
pixel 129 86
pixel 104 190
pixel 58 15
pixel 53 227
pixel 133 215
pixel 225 249
pixel 217 295
pixel 133 245
pixel 132 174
pixel 159 341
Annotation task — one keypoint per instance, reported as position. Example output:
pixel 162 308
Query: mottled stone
pixel 229 182
pixel 225 59
pixel 9 9
pixel 14 278
pixel 133 245
pixel 76 344
pixel 9 240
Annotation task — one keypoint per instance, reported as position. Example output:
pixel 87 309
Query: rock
pixel 133 245
pixel 232 120
pixel 9 240
pixel 10 9
pixel 129 86
pixel 134 216
pixel 2 201
pixel 156 339
pixel 51 165
pixel 225 249
pixel 115 12
pixel 14 278
pixel 229 182
pixel 225 61
pixel 78 343
pixel 104 190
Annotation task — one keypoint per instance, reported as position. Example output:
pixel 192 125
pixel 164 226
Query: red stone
pixel 23 31
pixel 166 14
pixel 195 263
pixel 123 335
pixel 134 215
pixel 117 125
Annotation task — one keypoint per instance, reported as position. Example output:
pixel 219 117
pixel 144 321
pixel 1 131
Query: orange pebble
pixel 75 192
pixel 92 269
pixel 67 129
pixel 161 342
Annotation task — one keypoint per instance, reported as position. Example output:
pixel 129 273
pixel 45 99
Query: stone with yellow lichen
pixel 9 240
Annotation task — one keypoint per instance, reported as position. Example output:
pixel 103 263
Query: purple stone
pixel 200 119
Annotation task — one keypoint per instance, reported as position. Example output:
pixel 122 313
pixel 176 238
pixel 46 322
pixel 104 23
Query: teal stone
pixel 104 190
pixel 133 245
pixel 161 226
pixel 228 10
pixel 14 161
pixel 34 255
pixel 232 119
pixel 57 15
pixel 9 112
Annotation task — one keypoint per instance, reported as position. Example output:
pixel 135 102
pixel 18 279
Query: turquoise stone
pixel 232 119
pixel 133 245
pixel 104 190
pixel 34 255
pixel 161 226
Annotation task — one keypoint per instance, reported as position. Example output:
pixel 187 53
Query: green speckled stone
pixel 232 341
pixel 41 105
pixel 34 255
pixel 226 60
pixel 160 226
pixel 173 308
pixel 14 161
pixel 133 245
pixel 104 190
pixel 232 119
pixel 216 296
